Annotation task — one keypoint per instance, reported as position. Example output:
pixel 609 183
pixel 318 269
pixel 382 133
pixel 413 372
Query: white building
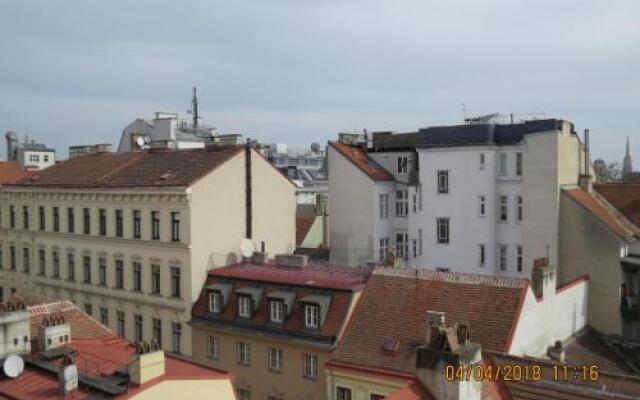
pixel 29 154
pixel 479 198
pixel 130 237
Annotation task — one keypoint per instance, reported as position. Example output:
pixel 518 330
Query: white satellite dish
pixel 13 366
pixel 246 248
pixel 147 139
pixel 140 141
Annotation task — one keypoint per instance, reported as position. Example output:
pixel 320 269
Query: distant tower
pixel 627 166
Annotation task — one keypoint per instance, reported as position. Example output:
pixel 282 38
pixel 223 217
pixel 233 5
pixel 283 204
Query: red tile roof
pixel 601 209
pixel 303 225
pixel 152 168
pixel 489 305
pixel 98 353
pixel 623 196
pixel 11 172
pixel 359 158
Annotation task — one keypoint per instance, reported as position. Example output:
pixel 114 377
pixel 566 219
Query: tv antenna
pixel 194 108
pixel 463 108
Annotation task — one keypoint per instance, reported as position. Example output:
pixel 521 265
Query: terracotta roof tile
pixel 623 196
pixel 606 213
pixel 138 169
pixel 303 225
pixel 11 172
pixel 395 303
pixel 359 158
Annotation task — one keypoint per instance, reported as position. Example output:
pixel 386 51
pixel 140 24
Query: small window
pixel 443 182
pixel 56 219
pixel 121 323
pixel 86 217
pixel 383 206
pixel 519 259
pixel 243 353
pixel 311 316
pixel 343 393
pixel 137 228
pixel 442 230
pixel 177 337
pixel 119 274
pixel 502 257
pixel 155 279
pixel 402 203
pixel 244 306
pixel 102 271
pixel 41 219
pixel 119 224
pixel 215 303
pixel 482 206
pixel 137 276
pixel 104 316
pixel 157 330
pixel 403 164
pixel 213 347
pixel 155 225
pixel 276 311
pixel 25 217
pixel 482 161
pixel 383 248
pixel 519 209
pixel 518 164
pixel 310 366
pixel 175 226
pixel 503 164
pixel 482 255
pixel 243 394
pixel 137 324
pixel 275 359
pixel 176 290
pixel 71 220
pixel 504 208
pixel 103 221
pixel 402 245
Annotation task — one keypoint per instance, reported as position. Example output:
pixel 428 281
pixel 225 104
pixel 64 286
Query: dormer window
pixel 244 306
pixel 215 302
pixel 311 316
pixel 277 311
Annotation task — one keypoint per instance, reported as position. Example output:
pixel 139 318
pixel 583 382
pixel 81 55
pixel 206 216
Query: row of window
pixel 138 327
pixel 503 208
pixel 118 217
pixel 136 271
pixel 503 257
pixel 401 203
pixel 443 175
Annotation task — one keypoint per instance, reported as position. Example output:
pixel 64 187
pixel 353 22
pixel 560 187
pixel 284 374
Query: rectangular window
pixel 25 217
pixel 137 276
pixel 275 359
pixel 403 164
pixel 56 265
pixel 26 260
pixel 243 394
pixel 86 261
pixel 414 202
pixel 155 225
pixel 402 245
pixel 137 324
pixel 86 218
pixel 311 316
pixel 41 220
pixel 443 182
pixel 343 393
pixel 504 208
pixel 482 161
pixel 119 224
pixel 137 225
pixel 519 259
pixel 519 209
pixel 402 203
pixel 104 316
pixel 71 220
pixel 119 274
pixel 503 165
pixel 384 248
pixel 56 219
pixel 215 302
pixel 502 257
pixel 121 323
pixel 88 308
pixel 42 261
pixel 482 201
pixel 310 366
pixel 384 206
pixel 243 353
pixel 175 282
pixel 420 241
pixel 102 216
pixel 12 258
pixel 175 226
pixel 414 247
pixel 244 306
pixel 1 258
pixel 177 337
pixel 102 271
pixel 276 313
pixel 71 267
pixel 482 258
pixel 213 347
pixel 518 164
pixel 376 397
pixel 157 330
pixel 155 279
pixel 442 230
pixel 12 217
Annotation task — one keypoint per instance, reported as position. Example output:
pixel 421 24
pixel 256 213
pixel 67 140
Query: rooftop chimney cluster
pixel 54 332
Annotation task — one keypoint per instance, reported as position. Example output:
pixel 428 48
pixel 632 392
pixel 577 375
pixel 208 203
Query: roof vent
pixel 291 260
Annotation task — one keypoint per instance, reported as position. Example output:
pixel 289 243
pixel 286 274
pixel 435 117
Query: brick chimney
pixel 147 363
pixel 448 347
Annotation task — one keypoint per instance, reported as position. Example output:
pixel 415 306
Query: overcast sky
pixel 300 71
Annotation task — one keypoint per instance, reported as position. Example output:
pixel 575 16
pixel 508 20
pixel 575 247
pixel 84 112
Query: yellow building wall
pixel 208 389
pixel 362 386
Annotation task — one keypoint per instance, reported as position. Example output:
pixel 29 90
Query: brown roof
pixel 154 168
pixel 591 347
pixel 303 225
pixel 623 196
pixel 394 307
pixel 11 172
pixel 359 158
pixel 601 209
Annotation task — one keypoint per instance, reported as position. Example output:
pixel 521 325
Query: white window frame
pixel 276 311
pixel 442 177
pixel 310 366
pixel 244 306
pixel 384 206
pixel 215 302
pixel 312 316
pixel 213 347
pixel 383 248
pixel 443 230
pixel 402 202
pixel 275 359
pixel 482 205
pixel 503 251
pixel 402 245
pixel 403 164
pixel 503 209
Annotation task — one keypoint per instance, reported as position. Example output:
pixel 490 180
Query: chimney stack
pixel 67 376
pixel 54 332
pixel 586 179
pixel 543 278
pixel 147 363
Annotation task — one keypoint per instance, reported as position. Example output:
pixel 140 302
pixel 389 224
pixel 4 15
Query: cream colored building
pixel 129 237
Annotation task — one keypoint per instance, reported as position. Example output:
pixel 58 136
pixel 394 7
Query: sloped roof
pixel 154 168
pixel 303 225
pixel 489 305
pixel 11 172
pixel 358 157
pixel 623 196
pixel 602 210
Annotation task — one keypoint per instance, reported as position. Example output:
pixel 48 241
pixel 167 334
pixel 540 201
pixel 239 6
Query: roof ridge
pixel 53 307
pixel 451 277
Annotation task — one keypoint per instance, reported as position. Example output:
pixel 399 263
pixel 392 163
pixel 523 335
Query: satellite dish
pixel 13 366
pixel 147 139
pixel 140 141
pixel 246 248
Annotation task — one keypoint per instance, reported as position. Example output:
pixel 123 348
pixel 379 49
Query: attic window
pixel 311 316
pixel 215 302
pixel 244 306
pixel 391 344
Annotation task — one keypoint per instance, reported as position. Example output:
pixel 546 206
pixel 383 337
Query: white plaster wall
pixel 389 161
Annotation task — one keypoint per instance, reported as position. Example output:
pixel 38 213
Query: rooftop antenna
pixel 464 111
pixel 194 108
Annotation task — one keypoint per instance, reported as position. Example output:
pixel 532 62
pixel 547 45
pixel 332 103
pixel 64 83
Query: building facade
pixel 274 324
pixel 129 236
pixel 29 154
pixel 473 198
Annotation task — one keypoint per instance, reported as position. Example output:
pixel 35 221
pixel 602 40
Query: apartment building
pixel 480 198
pixel 129 237
pixel 273 324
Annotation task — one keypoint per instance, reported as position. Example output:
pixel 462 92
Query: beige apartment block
pixel 129 237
